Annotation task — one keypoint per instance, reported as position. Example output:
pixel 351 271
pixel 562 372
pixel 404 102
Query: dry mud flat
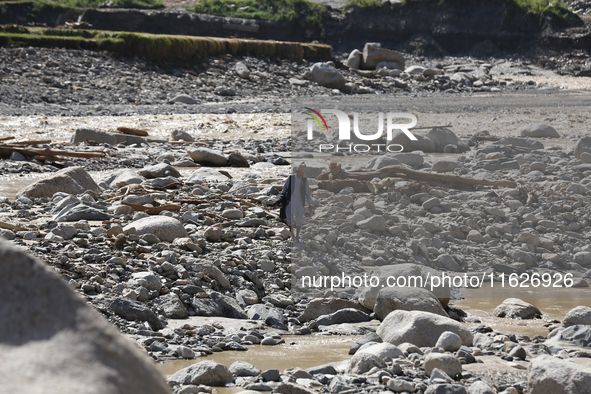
pixel 201 243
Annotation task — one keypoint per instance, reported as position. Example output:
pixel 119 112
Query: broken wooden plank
pixel 10 226
pixel 30 142
pixel 132 131
pixel 6 138
pixel 6 150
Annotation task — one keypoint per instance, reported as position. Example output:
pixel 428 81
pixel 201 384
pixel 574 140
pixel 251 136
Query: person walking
pixel 296 192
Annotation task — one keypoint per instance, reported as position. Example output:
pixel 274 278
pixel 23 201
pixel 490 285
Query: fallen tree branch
pixel 10 226
pixel 132 131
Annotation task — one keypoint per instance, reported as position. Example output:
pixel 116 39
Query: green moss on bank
pixel 273 10
pixel 42 4
pixel 536 7
pixel 161 47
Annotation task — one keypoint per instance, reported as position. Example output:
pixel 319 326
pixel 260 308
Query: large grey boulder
pixel 448 363
pixel 326 75
pixel 82 211
pixel 578 315
pixel 129 310
pixel 207 174
pixel 414 160
pixel 442 137
pixel 552 375
pixel 422 142
pixel 268 314
pixel 164 227
pixel 51 341
pixel 420 328
pixel 415 275
pixel 242 368
pixel 158 171
pixel 354 59
pixel 373 223
pixel 373 53
pixel 540 131
pixel 172 306
pixel 385 351
pixel 325 306
pixel 207 157
pixel 105 137
pixel 348 315
pixel 445 388
pixel 514 308
pixel 381 161
pixel 449 341
pixel 479 387
pixel 71 180
pixel 578 335
pixel 217 304
pixel 122 178
pixel 408 299
pixel 208 372
pixel 362 362
pixel 583 145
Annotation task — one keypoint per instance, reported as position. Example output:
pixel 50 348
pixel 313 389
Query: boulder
pixel 325 306
pixel 237 160
pixel 583 146
pixel 445 389
pixel 410 159
pixel 242 368
pixel 271 316
pixel 422 143
pixel 449 341
pixel 446 362
pixel 172 306
pixel 360 363
pixel 207 174
pixel 408 299
pixel 442 166
pixel 326 75
pixel 540 131
pixel 442 137
pixel 514 308
pixel 71 180
pixel 217 304
pixel 179 135
pixel 367 338
pixel 373 223
pixel 76 212
pixel 147 279
pixel 373 53
pixel 165 228
pixel 420 328
pixel 129 310
pixel 385 351
pixel 416 276
pixel 578 335
pixel 122 178
pixel 578 315
pixel 479 387
pixel 354 59
pixel 242 70
pixel 552 375
pixel 184 99
pixel 158 171
pixel 53 342
pixel 348 315
pixel 105 137
pixel 208 372
pixel 207 157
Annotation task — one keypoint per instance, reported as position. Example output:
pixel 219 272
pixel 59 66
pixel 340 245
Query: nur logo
pixel 344 134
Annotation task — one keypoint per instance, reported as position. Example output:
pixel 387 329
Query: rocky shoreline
pixel 145 245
